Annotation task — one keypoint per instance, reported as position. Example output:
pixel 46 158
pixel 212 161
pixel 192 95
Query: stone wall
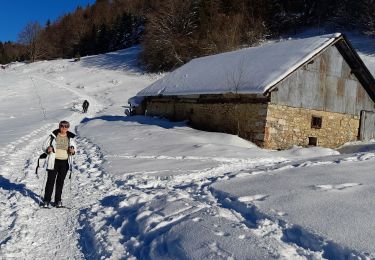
pixel 287 126
pixel 246 120
pixel 160 109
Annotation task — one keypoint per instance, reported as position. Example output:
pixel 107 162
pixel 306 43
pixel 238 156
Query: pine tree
pixel 2 54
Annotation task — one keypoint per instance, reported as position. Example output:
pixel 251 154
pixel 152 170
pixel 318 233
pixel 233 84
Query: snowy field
pixel 146 188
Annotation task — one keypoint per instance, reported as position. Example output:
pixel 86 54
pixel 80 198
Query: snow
pixel 147 188
pixel 249 70
pixel 320 205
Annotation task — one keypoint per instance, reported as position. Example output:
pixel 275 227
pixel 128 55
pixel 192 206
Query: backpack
pixel 42 156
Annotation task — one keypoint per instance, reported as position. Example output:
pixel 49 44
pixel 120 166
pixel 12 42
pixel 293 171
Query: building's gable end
pixel 357 66
pixel 325 83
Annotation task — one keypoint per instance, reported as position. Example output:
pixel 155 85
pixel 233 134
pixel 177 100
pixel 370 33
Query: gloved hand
pixel 71 150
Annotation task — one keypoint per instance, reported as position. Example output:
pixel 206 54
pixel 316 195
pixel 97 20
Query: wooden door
pixel 367 128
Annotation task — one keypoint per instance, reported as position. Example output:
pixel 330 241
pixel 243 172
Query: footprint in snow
pixel 242 237
pixel 217 253
pixel 366 156
pixel 278 212
pixel 257 197
pixel 337 187
pixel 221 233
pixel 98 161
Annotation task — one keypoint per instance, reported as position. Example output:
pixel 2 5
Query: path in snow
pixel 26 230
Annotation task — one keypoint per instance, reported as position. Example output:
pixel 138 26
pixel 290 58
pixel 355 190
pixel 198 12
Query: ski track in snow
pixel 14 146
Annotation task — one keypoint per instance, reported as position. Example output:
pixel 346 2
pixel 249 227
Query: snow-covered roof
pixel 249 70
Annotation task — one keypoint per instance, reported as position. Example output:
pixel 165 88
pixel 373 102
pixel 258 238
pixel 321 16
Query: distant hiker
pixel 85 106
pixel 60 147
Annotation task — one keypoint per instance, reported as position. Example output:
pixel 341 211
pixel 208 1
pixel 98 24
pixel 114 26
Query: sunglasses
pixel 64 126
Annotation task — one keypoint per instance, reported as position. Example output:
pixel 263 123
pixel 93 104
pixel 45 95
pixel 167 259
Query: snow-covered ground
pixel 146 188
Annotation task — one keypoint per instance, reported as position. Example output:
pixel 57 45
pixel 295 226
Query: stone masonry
pixel 287 126
pixel 245 120
pixel 267 125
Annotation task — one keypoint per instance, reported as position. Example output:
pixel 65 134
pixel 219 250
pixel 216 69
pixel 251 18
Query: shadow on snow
pixel 5 184
pixel 144 120
pixel 126 59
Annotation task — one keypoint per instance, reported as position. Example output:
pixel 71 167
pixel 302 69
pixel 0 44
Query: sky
pixel 15 14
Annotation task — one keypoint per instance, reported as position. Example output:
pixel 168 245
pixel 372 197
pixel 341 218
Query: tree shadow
pixel 126 59
pixel 5 184
pixel 144 120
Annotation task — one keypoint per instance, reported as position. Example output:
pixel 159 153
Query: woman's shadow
pixel 5 184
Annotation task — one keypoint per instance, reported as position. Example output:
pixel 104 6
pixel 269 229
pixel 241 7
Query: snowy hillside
pixel 146 188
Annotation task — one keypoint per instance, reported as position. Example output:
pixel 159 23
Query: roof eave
pixel 271 86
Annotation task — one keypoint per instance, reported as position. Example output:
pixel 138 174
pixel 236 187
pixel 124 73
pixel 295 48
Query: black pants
pixel 60 170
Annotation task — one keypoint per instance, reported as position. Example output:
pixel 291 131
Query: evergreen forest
pixel 172 32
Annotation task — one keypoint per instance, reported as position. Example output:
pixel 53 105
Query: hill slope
pixel 150 189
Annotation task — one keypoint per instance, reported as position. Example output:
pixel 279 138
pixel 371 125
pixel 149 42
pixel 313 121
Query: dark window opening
pixel 313 141
pixel 316 122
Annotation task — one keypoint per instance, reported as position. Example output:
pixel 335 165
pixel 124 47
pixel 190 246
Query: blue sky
pixel 15 14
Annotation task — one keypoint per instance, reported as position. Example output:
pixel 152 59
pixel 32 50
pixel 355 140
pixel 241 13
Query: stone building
pixel 309 92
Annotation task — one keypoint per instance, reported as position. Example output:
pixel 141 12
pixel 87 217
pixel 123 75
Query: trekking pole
pixel 41 189
pixel 70 188
pixel 71 166
pixel 70 191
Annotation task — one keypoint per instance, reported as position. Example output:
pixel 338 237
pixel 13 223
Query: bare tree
pixel 236 81
pixel 235 78
pixel 29 36
pixel 168 40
